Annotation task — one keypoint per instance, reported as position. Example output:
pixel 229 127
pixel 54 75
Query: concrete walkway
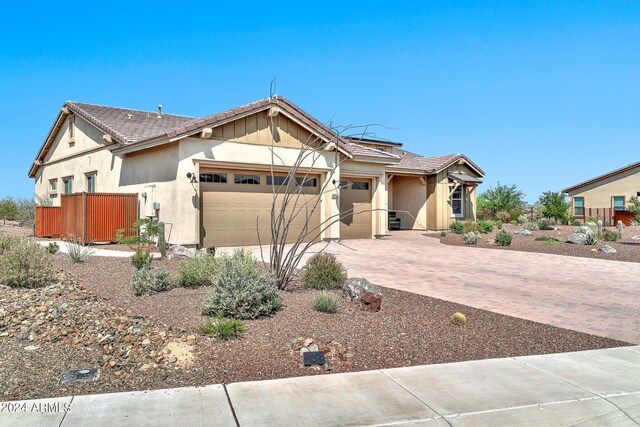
pixel 95 251
pixel 595 296
pixel 590 388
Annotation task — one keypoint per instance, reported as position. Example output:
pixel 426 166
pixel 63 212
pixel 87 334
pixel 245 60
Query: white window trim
pixel 51 189
pixel 94 174
pixel 461 214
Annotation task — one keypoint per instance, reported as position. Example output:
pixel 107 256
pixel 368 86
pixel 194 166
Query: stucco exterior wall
pixel 600 194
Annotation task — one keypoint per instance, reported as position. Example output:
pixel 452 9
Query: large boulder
pixel 354 287
pixel 523 232
pixel 178 252
pixel 606 249
pixel 584 230
pixel 371 301
pixel 576 238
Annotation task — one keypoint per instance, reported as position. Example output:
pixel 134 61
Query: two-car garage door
pixel 236 206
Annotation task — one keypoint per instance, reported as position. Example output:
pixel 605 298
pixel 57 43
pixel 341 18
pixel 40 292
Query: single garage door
pixel 355 209
pixel 236 206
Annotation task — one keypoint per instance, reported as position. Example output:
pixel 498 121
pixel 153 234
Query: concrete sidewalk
pixel 96 250
pixel 590 388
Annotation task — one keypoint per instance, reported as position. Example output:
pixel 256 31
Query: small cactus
pixel 599 229
pixel 162 242
pixel 459 319
pixel 620 229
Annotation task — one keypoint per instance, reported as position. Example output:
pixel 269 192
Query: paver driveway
pixel 589 295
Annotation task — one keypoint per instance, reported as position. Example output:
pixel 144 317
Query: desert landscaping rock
pixel 607 249
pixel 371 301
pixel 576 238
pixel 178 252
pixel 523 232
pixel 354 287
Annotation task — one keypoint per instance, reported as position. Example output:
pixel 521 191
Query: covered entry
pixel 236 206
pixel 355 208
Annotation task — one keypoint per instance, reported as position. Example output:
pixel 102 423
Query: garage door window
pixel 213 177
pixel 308 182
pixel 277 180
pixel 246 179
pixel 360 185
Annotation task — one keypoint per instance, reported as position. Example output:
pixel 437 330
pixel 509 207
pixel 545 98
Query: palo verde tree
pixel 502 198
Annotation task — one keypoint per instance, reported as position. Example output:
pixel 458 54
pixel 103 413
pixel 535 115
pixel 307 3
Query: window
pixel 213 177
pixel 91 182
pixel 53 185
pixel 343 184
pixel 456 200
pixel 618 203
pixel 246 179
pixel 68 185
pixel 578 206
pixel 360 185
pixel 72 131
pixel 277 180
pixel 309 182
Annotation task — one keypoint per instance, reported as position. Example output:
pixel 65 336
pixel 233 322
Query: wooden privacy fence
pixel 609 216
pixel 95 217
pixel 47 221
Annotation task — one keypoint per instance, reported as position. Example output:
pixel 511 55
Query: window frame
pixel 277 180
pixel 355 185
pixel 53 185
pixel 575 208
pixel 624 203
pixel 222 176
pixel 64 184
pixel 453 188
pixel 247 177
pixel 88 177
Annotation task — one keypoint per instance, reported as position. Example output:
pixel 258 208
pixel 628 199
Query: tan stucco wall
pixel 600 194
pixel 410 194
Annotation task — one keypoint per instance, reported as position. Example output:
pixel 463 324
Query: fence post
pixel 84 218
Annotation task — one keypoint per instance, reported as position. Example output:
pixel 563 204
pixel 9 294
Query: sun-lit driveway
pixel 588 295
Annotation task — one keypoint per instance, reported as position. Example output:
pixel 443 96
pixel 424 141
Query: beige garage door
pixel 355 209
pixel 236 206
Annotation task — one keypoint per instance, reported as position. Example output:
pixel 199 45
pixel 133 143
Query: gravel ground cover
pixel 150 342
pixel 627 248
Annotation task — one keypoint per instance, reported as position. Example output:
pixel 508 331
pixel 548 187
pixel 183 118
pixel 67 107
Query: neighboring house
pixel 209 179
pixel 611 190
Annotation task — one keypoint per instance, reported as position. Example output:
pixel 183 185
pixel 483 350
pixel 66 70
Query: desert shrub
pixel 141 259
pixel 498 224
pixel 545 224
pixel 8 209
pixel 503 238
pixel 242 289
pixel 531 226
pixel 77 252
pixel 147 281
pixel 26 214
pixel 223 329
pixel 593 220
pixel 25 264
pixel 457 227
pixel 573 221
pixel 470 238
pixel 503 216
pixel 633 206
pixel 53 248
pixel 609 236
pixel 590 239
pixel 470 227
pixel 459 319
pixel 324 271
pixel 324 302
pixel 443 233
pixel 485 226
pixel 197 270
pixel 548 240
pixel 555 205
pixel 501 198
pixel 143 232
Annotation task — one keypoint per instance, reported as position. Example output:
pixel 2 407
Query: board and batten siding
pixel 443 216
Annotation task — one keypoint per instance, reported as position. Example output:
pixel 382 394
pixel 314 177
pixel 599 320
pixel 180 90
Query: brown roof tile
pixel 429 164
pixel 604 176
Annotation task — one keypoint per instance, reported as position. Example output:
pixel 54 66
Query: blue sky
pixel 539 94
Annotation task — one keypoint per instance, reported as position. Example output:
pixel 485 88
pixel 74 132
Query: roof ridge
pixel 129 109
pixel 602 176
pixel 374 150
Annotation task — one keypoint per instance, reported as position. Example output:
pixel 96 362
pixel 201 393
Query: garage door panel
pixel 355 210
pixel 234 214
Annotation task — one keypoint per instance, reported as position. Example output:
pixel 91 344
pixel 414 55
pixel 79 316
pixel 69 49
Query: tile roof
pixel 604 176
pixel 360 150
pixel 127 125
pixel 431 164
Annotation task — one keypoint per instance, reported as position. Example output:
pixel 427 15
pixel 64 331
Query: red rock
pixel 371 301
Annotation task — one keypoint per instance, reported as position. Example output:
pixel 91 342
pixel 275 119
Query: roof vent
pixel 129 116
pixel 159 110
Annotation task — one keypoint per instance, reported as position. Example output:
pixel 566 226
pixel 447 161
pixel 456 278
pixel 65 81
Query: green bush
pixel 77 252
pixel 324 302
pixel 485 226
pixel 443 233
pixel 457 227
pixel 555 205
pixel 503 238
pixel 609 236
pixel 147 281
pixel 531 226
pixel 223 329
pixel 324 271
pixel 545 224
pixel 8 209
pixel 143 232
pixel 198 270
pixel 503 216
pixel 53 248
pixel 470 238
pixel 141 259
pixel 25 264
pixel 498 224
pixel 242 289
pixel 633 206
pixel 591 239
pixel 470 227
